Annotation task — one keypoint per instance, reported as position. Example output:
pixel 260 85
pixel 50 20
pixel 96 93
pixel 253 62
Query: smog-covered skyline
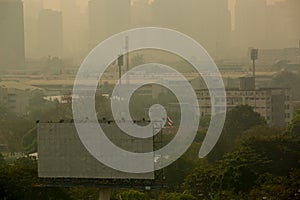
pixel 228 31
pixel 70 29
pixel 149 99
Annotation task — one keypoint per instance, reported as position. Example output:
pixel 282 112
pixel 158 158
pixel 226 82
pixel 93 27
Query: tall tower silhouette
pixel 12 50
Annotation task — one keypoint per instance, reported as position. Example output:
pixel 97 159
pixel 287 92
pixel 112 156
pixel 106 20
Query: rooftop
pixel 17 85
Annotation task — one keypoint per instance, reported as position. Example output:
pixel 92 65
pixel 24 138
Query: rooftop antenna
pixel 120 64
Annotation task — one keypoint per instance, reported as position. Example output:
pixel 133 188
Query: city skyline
pixel 219 32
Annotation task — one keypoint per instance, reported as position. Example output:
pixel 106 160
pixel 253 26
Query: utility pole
pixel 127 57
pixel 254 57
pixel 120 64
pixel 299 54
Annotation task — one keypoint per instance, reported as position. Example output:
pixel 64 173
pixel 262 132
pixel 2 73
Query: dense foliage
pixel 250 161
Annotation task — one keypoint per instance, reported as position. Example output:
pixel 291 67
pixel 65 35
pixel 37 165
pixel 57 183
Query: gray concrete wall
pixel 62 155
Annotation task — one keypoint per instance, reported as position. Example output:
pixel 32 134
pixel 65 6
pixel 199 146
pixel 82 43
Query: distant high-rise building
pixel 12 50
pixel 107 17
pixel 50 31
pixel 75 28
pixel 171 14
pixel 32 9
pixel 212 22
pixel 141 14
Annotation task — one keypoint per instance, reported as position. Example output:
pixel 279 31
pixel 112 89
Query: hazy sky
pixel 54 4
pixel 73 42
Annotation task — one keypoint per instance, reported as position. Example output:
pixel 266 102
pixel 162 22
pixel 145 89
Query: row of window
pixel 234 98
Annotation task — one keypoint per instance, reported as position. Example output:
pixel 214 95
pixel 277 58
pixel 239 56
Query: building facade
pixel 12 50
pixel 50 31
pixel 32 9
pixel 16 96
pixel 273 104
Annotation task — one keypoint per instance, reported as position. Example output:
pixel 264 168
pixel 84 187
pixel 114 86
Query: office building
pixel 50 31
pixel 32 9
pixel 16 96
pixel 12 50
pixel 273 104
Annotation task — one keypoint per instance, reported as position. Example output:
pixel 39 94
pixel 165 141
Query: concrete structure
pixel 32 8
pixel 12 50
pixel 247 83
pixel 273 104
pixel 50 32
pixel 15 96
pixel 62 155
pixel 75 32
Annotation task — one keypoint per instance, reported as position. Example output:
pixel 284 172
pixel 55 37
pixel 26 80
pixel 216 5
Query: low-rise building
pixel 273 104
pixel 15 96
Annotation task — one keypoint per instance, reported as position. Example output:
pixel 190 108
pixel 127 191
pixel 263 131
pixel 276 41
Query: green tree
pixel 58 110
pixel 238 120
pixel 236 173
pixel 38 106
pixel 133 195
pixel 177 171
pixel 259 131
pixel 241 168
pixel 20 180
pixel 242 118
pixel 294 126
pixel 2 161
pixel 277 187
pixel 84 193
pixel 276 155
pixel 283 150
pixel 29 141
pixel 242 171
pixel 176 196
pixel 203 181
pixel 13 128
